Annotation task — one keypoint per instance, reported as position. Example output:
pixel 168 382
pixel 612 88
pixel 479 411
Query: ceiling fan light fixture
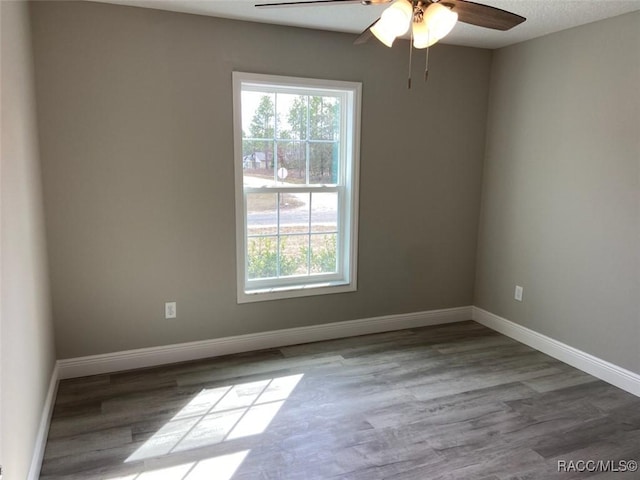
pixel 398 16
pixel 421 35
pixel 383 32
pixel 439 20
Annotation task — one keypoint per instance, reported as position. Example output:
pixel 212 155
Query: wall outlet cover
pixel 170 310
pixel 518 293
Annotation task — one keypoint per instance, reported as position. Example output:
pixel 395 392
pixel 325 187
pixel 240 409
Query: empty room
pixel 344 240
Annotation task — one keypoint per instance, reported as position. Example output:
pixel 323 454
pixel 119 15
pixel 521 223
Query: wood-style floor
pixel 456 401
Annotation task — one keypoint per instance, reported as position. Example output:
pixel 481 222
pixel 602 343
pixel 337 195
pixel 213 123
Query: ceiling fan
pixel 437 13
pixel 428 21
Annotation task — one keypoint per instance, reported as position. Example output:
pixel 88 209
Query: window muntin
pixel 296 185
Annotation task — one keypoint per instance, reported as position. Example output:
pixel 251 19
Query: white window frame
pixel 345 280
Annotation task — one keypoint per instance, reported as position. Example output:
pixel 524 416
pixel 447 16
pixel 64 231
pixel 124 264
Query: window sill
pixel 279 293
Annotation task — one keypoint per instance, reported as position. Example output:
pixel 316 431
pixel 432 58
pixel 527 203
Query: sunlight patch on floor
pixel 219 414
pixel 220 468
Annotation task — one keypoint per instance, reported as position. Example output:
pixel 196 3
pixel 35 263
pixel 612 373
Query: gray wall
pixel 135 116
pixel 27 354
pixel 561 193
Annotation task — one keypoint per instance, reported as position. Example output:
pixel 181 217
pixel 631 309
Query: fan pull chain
pixel 426 64
pixel 410 54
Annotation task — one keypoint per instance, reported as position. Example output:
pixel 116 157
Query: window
pixel 296 162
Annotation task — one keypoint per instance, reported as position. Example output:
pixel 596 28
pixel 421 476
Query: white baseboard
pixel 153 356
pixel 43 429
pixel 148 357
pixel 586 362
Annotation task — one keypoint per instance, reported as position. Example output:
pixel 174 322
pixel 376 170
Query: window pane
pixel 324 212
pixel 262 257
pixel 262 214
pixel 257 162
pixel 323 253
pixel 292 157
pixel 323 163
pixel 258 115
pixel 292 116
pixel 293 258
pixel 294 213
pixel 324 115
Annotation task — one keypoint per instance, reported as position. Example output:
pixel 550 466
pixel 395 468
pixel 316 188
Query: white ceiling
pixel 543 16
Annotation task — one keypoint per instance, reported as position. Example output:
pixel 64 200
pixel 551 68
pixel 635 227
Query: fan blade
pixel 483 15
pixel 303 3
pixel 312 3
pixel 365 35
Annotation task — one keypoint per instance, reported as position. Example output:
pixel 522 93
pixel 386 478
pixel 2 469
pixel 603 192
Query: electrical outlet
pixel 518 293
pixel 170 310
